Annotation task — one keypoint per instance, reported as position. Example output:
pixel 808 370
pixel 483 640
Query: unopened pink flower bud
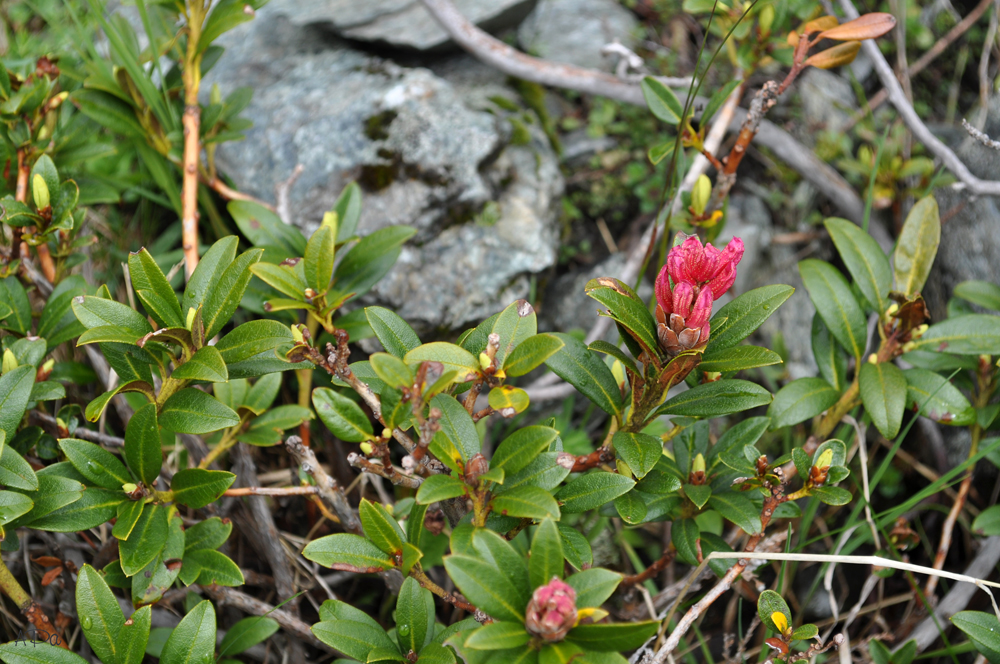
pixel 551 612
pixel 700 275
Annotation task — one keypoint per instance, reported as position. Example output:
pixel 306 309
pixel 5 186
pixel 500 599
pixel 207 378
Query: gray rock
pixel 402 24
pixel 485 211
pixel 573 31
pixel 828 100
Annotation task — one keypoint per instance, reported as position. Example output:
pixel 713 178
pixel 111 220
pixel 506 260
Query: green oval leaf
pixel 864 259
pixel 939 399
pixel 192 411
pixel 721 397
pixel 348 552
pixel 917 246
pixel 835 303
pixel 736 320
pixel 193 636
pixel 593 490
pixel 341 415
pixel 197 487
pixel 883 392
pixel 800 400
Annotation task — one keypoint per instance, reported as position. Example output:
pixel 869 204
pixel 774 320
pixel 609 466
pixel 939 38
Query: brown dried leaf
pixel 839 55
pixel 820 24
pixel 47 561
pixel 51 575
pixel 868 26
pixel 793 39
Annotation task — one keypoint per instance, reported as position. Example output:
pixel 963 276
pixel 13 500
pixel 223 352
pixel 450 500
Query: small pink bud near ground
pixel 551 613
pixel 700 275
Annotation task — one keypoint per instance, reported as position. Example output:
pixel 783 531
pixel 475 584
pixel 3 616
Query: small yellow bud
pixel 780 621
pixel 190 318
pixel 891 311
pixel 618 371
pixel 9 361
pixel 48 365
pixel 387 433
pixel 500 374
pixel 698 465
pixel 367 448
pixel 485 361
pixel 129 487
pixel 40 191
pixel 908 346
pixel 919 332
pixel 297 334
pixel 825 459
pixel 873 359
pixel 331 219
pixel 700 193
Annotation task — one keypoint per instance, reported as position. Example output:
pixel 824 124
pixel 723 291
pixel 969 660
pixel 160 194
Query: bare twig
pixel 255 607
pixel 510 61
pixel 984 65
pixel 980 136
pixel 80 432
pixel 329 490
pixel 272 491
pixel 281 191
pixel 920 131
pixel 389 473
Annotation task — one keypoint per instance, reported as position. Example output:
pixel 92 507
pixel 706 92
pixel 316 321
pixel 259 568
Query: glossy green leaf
pixel 983 293
pixel 354 639
pixel 216 568
pixel 583 369
pixel 15 298
pixel 457 425
pixel 395 335
pixel 193 637
pixel 531 353
pixel 319 258
pixel 133 637
pixel 192 411
pixel 247 633
pixel 264 228
pixel 698 494
pixel 440 487
pixel 381 528
pixel 95 507
pixel 15 390
pixel 831 495
pixel 97 312
pixel 341 415
pixel 640 451
pixel 576 548
pixel 223 296
pixel 592 490
pixel 865 260
pixel 486 587
pixel 721 397
pixel 800 400
pixel 13 505
pixel 662 101
pixel 348 552
pixel 983 630
pixel 498 635
pixel 520 448
pixel 95 463
pixel 616 637
pixel 371 259
pixel 631 312
pixel 738 319
pixel 829 355
pixel 526 502
pixel 205 365
pixel 737 508
pixel 153 289
pixel 593 586
pixel 146 541
pixel 739 436
pixel 546 560
pixel 883 392
pixel 938 398
pixel 454 358
pixel 972 334
pixel 101 617
pixel 128 515
pixel 835 303
pixel 197 487
pixel 142 444
pixel 249 349
pixel 208 534
pixel 414 612
pixel 917 246
pixel 631 508
pixel 739 358
pixel 26 652
pixel 543 471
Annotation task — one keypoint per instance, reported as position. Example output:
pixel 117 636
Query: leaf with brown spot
pixel 837 56
pixel 869 26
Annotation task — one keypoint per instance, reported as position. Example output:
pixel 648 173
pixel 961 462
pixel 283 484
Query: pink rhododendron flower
pixel 551 612
pixel 700 275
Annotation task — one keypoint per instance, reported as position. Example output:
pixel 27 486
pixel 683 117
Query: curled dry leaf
pixel 837 56
pixel 869 26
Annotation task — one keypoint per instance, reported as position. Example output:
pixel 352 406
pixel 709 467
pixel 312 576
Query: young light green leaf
pixel 454 358
pixel 318 260
pixel 153 289
pixel 439 487
pixel 917 246
pixel 205 365
pixel 380 528
pixel 520 448
pixel 982 293
pixel 499 635
pixel 662 101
